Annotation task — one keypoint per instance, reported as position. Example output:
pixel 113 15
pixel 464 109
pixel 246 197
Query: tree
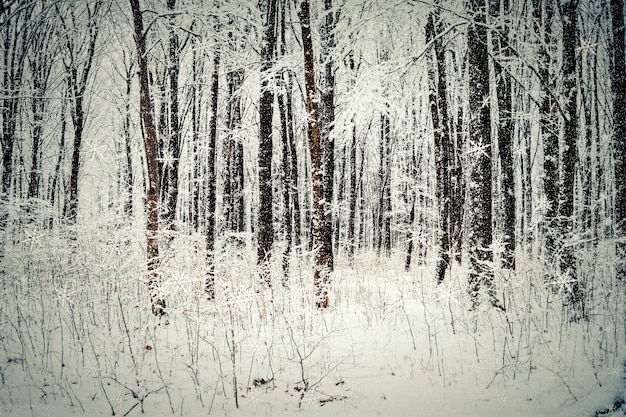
pixel 152 168
pixel 441 132
pixel 174 132
pixel 321 267
pixel 42 53
pixel 327 122
pixel 618 88
pixel 265 237
pixel 479 215
pixel 500 12
pixel 211 198
pixel 78 60
pixel 567 190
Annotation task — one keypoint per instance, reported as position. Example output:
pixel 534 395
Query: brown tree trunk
pixel 152 183
pixel 321 269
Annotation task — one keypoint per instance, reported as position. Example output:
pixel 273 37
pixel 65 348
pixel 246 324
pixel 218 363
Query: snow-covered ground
pixel 77 338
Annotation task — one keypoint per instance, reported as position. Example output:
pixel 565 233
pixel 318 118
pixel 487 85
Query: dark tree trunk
pixel 54 188
pixel 351 240
pixel 327 122
pixel 15 44
pixel 500 12
pixel 384 173
pixel 293 154
pixel 211 178
pixel 233 187
pixel 479 213
pixel 41 60
pixel 128 205
pixel 568 261
pixel 265 230
pixel 152 168
pixel 174 144
pixel 77 75
pixel 549 128
pixel 618 88
pixel 441 132
pixel 196 111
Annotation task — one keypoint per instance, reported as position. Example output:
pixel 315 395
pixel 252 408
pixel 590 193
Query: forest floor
pixel 77 337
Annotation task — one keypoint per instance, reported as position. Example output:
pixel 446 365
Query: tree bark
pixel 211 178
pixel 441 132
pixel 265 238
pixel 327 122
pixel 568 261
pixel 321 268
pixel 77 75
pixel 500 13
pixel 618 88
pixel 480 192
pixel 151 154
pixel 173 133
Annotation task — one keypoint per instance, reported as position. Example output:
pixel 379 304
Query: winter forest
pixel 313 207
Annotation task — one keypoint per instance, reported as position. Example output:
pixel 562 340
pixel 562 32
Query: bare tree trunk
pixel 77 70
pixel 211 197
pixel 321 269
pixel 500 13
pixel 480 192
pixel 173 136
pixel 568 261
pixel 327 122
pixel 266 112
pixel 441 133
pixel 618 88
pixel 152 184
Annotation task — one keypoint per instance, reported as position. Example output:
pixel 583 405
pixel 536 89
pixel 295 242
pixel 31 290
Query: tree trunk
pixel 479 214
pixel 77 75
pixel 500 13
pixel 568 261
pixel 174 141
pixel 152 183
pixel 441 132
pixel 265 237
pixel 327 122
pixel 321 269
pixel 211 178
pixel 618 88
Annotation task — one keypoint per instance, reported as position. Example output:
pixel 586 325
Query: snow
pixel 77 338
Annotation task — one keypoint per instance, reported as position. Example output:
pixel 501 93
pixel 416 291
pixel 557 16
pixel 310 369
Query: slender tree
pixel 78 60
pixel 211 197
pixel 441 132
pixel 327 124
pixel 174 128
pixel 152 169
pixel 500 12
pixel 321 268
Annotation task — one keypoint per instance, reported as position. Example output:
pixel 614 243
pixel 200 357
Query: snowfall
pixel 77 336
